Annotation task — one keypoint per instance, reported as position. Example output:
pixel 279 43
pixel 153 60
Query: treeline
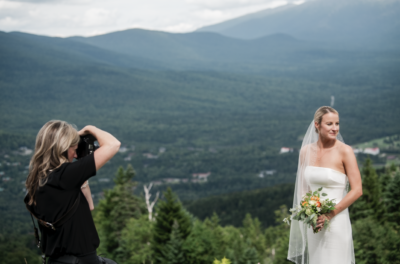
pixel 175 235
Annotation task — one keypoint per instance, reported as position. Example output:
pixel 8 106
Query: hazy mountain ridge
pixel 361 22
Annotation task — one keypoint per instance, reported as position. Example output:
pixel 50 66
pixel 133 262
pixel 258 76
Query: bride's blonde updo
pixel 323 110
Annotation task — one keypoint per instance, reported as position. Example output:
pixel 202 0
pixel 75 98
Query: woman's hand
pixel 86 130
pixel 321 220
pixel 109 145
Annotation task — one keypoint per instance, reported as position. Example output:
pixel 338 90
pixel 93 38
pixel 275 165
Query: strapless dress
pixel 335 244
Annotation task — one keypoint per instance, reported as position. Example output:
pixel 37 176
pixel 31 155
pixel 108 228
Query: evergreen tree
pixel 250 255
pixel 173 249
pixel 201 246
pixel 392 200
pixel 135 241
pixel 369 204
pixel 168 211
pixel 114 211
pixel 281 234
pixel 253 232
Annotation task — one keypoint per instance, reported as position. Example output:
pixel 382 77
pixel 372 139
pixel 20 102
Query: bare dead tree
pixel 147 197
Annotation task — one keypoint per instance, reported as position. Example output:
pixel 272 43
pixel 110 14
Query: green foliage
pixel 223 261
pixel 392 199
pixel 18 249
pixel 168 212
pixel 114 211
pixel 135 241
pixel 369 204
pixel 375 242
pixel 173 249
pixel 203 244
pixel 232 207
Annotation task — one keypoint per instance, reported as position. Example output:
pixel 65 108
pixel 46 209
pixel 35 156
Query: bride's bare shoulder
pixel 344 149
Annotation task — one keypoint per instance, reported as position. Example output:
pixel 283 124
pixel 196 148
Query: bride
pixel 325 161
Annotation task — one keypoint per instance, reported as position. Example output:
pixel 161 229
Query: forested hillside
pixel 207 115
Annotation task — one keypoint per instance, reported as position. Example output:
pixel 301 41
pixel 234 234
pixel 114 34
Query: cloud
pixel 232 4
pixel 92 17
pixel 98 17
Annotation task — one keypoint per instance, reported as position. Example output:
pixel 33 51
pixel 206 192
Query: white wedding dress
pixel 335 244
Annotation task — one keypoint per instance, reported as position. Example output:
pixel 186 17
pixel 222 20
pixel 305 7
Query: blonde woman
pixel 54 183
pixel 325 161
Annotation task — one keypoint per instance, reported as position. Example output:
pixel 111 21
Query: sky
pixel 63 18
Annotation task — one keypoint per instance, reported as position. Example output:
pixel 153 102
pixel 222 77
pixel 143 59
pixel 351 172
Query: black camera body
pixel 86 146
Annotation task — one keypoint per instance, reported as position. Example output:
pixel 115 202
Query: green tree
pixel 369 204
pixel 173 249
pixel 135 241
pixel 250 255
pixel 201 246
pixel 114 211
pixel 392 199
pixel 169 211
pixel 254 233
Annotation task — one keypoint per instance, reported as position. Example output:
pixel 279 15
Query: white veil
pixel 298 252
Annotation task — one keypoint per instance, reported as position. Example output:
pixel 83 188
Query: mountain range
pixel 361 22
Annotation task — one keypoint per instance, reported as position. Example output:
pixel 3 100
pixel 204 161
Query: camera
pixel 87 145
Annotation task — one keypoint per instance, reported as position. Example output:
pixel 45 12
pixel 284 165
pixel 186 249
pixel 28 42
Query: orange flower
pixel 304 203
pixel 318 204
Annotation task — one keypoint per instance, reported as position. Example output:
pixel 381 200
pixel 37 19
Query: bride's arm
pixel 353 173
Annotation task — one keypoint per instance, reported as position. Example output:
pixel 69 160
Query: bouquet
pixel 310 208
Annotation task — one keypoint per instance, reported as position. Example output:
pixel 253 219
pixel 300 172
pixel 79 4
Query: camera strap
pixel 56 224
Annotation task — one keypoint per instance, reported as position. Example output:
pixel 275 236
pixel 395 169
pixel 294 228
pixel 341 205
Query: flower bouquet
pixel 310 208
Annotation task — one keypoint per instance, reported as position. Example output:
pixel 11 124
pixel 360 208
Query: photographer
pixel 58 191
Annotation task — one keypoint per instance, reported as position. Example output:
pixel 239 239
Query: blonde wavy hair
pixel 323 110
pixel 52 143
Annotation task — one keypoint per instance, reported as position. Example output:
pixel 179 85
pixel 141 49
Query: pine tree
pixel 253 232
pixel 173 249
pixel 392 199
pixel 136 239
pixel 369 204
pixel 114 211
pixel 168 211
pixel 250 255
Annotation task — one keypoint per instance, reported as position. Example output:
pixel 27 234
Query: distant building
pixel 150 156
pixel 285 150
pixel 391 157
pixel 371 151
pixel 1 173
pixel 6 179
pixel 262 174
pixel 25 151
pixel 357 150
pixel 162 150
pixel 185 180
pixel 201 177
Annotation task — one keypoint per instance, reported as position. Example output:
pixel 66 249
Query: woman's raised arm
pixel 109 145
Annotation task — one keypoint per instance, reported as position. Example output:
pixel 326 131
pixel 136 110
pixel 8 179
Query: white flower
pixel 308 211
pixel 313 202
pixel 319 209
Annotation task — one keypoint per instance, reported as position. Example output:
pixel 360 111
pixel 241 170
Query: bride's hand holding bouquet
pixel 313 211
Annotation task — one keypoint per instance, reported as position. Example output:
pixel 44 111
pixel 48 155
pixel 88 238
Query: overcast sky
pixel 93 17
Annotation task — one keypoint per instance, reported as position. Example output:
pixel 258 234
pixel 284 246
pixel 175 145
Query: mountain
pixel 363 22
pixel 198 50
pixel 81 53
